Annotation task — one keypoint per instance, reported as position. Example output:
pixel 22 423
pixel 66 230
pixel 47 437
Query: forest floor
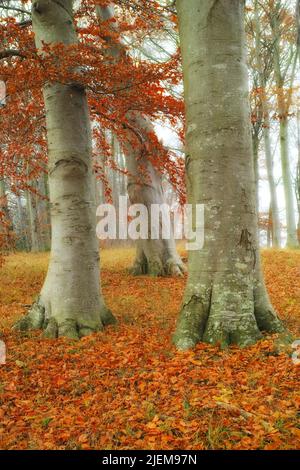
pixel 128 388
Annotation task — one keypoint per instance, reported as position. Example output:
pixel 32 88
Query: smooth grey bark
pixel 154 257
pixel 255 148
pixel 225 300
pixel 70 303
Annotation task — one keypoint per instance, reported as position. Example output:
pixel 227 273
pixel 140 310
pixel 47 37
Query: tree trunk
pixel 70 303
pixel 44 212
pixel 283 103
pixel 270 228
pixel 276 237
pixel 6 226
pixel 291 241
pixel 255 148
pixel 154 257
pixel 122 180
pixel 225 300
pixel 25 244
pixel 157 257
pixel 32 218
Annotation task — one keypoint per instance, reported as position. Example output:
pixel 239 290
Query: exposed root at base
pixel 36 319
pixel 198 323
pixel 154 268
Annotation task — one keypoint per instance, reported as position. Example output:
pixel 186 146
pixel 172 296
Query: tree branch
pixel 19 10
pixel 11 53
pixel 25 23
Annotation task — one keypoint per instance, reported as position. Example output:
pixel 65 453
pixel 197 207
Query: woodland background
pixel 128 387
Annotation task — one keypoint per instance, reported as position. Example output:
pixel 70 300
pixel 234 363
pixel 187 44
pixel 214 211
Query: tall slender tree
pixel 284 74
pixel 70 303
pixel 6 226
pixel 262 78
pixel 225 300
pixel 159 256
pixel 31 205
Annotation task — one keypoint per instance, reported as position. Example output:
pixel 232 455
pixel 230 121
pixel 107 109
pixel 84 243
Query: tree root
pixel 36 319
pixel 172 267
pixel 201 320
pixel 175 267
pixel 33 320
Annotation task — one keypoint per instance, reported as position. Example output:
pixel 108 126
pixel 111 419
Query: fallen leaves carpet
pixel 128 388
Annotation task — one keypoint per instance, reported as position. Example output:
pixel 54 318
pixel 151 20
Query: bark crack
pixel 64 8
pixel 69 161
pixel 211 10
pixel 193 298
pixel 246 242
pixel 187 161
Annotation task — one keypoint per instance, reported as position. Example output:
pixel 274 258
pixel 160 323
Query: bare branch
pixel 11 53
pixel 24 24
pixel 19 10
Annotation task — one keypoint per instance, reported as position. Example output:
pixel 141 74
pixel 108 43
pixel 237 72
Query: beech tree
pixel 113 87
pixel 284 73
pixel 225 300
pixel 263 71
pixel 154 257
pixel 70 303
